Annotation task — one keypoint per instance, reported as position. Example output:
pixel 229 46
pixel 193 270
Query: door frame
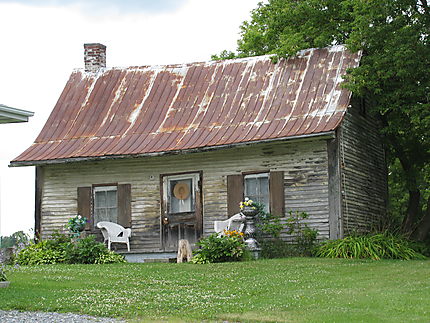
pixel 198 208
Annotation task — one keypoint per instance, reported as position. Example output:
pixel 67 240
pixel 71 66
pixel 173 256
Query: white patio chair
pixel 236 222
pixel 113 232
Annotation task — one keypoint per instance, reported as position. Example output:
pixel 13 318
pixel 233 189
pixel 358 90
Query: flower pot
pixel 4 284
pixel 249 211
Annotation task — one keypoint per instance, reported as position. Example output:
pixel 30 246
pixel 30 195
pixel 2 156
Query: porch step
pixel 145 256
pixel 159 260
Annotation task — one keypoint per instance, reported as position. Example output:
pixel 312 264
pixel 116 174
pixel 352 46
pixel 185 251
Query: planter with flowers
pixel 249 209
pixel 76 226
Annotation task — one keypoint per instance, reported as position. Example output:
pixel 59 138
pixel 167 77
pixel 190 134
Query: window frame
pixel 103 187
pixel 257 175
pixel 195 177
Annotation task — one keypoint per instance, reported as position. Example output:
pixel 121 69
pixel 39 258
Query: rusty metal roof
pixel 155 109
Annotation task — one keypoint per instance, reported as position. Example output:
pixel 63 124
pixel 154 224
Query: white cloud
pixel 41 45
pixel 96 7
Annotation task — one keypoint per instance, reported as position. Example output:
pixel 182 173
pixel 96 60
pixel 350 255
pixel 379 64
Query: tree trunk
pixel 423 229
pixel 412 212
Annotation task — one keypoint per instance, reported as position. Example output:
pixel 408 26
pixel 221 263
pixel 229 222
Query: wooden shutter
pixel 199 207
pixel 234 193
pixel 124 205
pixel 84 205
pixel 277 198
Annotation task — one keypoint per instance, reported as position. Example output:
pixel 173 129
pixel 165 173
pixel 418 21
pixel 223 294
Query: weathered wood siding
pixel 304 164
pixel 363 172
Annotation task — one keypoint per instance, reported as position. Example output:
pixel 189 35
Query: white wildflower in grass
pixel 306 289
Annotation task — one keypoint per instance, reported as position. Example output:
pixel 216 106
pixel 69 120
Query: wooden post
pixel 38 202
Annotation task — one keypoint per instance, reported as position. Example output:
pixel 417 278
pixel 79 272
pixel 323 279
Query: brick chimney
pixel 94 57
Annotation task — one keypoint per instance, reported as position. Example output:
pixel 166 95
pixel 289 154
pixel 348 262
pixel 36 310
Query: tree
pixel 14 239
pixel 394 76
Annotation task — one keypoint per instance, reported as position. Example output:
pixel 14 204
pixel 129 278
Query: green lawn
pixel 285 290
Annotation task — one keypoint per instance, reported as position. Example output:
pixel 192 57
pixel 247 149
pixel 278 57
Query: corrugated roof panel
pixel 142 110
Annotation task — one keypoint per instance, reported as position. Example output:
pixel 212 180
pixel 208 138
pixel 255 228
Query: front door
pixel 181 216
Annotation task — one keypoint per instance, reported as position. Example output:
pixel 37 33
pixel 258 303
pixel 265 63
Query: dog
pixel 184 251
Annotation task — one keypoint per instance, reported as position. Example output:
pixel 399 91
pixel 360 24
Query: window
pixel 181 193
pixel 257 188
pixel 109 202
pixel 267 188
pixel 105 204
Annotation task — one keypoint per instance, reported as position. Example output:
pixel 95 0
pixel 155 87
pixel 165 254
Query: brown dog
pixel 184 250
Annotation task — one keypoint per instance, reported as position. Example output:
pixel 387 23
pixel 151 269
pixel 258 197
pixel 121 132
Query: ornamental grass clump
pixel 220 248
pixel 375 246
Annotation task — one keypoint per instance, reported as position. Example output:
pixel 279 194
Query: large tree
pixel 394 76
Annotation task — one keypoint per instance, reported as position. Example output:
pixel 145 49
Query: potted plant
pixel 3 278
pixel 76 225
pixel 249 209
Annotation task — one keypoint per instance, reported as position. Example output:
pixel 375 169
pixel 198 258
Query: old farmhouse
pixel 166 150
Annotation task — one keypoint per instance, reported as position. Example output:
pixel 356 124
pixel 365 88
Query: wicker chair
pixel 113 232
pixel 236 222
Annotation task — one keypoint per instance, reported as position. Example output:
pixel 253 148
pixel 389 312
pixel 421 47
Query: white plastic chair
pixel 236 222
pixel 113 232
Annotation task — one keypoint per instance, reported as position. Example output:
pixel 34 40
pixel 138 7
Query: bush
pixel 86 251
pixel 217 248
pixel 269 232
pixel 61 249
pixel 40 254
pixel 376 246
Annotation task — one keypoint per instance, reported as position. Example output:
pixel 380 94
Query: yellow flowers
pixel 247 202
pixel 233 233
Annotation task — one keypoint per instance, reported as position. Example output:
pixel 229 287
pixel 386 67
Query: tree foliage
pixel 393 75
pixel 14 239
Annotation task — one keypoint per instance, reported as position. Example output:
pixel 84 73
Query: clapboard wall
pixel 304 163
pixel 363 171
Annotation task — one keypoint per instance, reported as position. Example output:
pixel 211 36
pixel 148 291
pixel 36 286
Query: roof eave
pixel 13 115
pixel 322 135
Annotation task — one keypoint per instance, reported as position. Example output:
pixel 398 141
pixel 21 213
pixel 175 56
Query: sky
pixel 42 42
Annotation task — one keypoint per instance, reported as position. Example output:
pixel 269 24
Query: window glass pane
pixel 105 204
pixel 100 199
pixel 112 215
pixel 263 186
pixel 100 215
pixel 265 200
pixel 181 195
pixel 111 199
pixel 250 187
pixel 257 188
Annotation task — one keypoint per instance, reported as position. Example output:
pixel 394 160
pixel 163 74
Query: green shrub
pixel 216 248
pixel 269 230
pixel 40 254
pixel 110 258
pixel 86 251
pixel 376 246
pixel 61 249
pixel 422 247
